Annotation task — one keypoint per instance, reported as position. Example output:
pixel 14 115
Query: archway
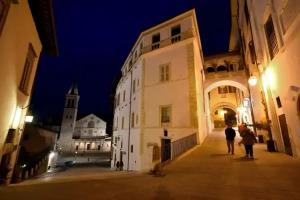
pixel 234 111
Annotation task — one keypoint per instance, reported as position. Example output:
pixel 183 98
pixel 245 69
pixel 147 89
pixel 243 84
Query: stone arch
pixel 225 105
pixel 217 84
pixel 226 82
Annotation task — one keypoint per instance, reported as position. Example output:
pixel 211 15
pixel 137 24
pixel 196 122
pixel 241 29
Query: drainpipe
pixel 129 121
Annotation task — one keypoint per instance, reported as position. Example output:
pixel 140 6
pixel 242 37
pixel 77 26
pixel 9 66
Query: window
pixel 141 48
pixel 164 72
pixel 271 37
pixel 30 58
pixel 4 7
pixel 278 101
pixel 132 120
pixel 131 148
pixel 124 96
pixel 136 119
pixel 165 113
pixel 122 122
pixel 175 34
pixel 91 124
pixel 133 86
pixel 155 41
pixel 118 99
pixel 76 147
pixel 99 147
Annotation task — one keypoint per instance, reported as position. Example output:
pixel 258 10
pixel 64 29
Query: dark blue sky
pixel 94 38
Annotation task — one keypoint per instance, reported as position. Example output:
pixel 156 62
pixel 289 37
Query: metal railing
pixel 182 36
pixel 180 146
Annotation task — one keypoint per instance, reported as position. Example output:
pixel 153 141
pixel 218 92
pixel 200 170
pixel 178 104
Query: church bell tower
pixel 69 120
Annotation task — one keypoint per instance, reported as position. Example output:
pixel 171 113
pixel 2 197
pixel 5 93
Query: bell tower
pixel 69 120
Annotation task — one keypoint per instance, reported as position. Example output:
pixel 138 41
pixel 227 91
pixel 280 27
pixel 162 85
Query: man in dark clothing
pixel 230 135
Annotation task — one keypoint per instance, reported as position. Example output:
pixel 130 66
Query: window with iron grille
pixel 30 58
pixel 271 37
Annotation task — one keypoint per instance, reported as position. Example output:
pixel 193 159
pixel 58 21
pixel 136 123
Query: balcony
pixel 169 41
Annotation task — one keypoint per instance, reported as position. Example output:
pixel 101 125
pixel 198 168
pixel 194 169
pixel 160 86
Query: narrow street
pixel 204 172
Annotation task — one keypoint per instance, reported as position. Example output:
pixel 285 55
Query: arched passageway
pixel 226 103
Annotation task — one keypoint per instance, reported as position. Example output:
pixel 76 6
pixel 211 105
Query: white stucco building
pixel 25 28
pixel 161 89
pixel 84 136
pixel 270 31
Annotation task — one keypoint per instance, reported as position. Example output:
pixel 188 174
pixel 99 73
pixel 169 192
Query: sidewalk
pixel 205 172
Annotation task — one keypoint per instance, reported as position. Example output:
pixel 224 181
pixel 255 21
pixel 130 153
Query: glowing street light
pixel 252 80
pixel 28 118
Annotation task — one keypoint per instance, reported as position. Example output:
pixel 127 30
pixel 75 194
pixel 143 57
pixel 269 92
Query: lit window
pixel 165 114
pixel 30 58
pixel 164 72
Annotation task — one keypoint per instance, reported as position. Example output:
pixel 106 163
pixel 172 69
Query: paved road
pixel 205 172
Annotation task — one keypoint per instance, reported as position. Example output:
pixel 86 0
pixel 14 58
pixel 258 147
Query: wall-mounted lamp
pixel 252 80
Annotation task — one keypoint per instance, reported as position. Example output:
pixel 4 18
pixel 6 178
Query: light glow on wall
pixel 269 78
pixel 17 118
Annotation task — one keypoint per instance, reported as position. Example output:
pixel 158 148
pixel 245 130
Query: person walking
pixel 248 139
pixel 230 135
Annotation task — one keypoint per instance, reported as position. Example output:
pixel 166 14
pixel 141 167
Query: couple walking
pixel 248 139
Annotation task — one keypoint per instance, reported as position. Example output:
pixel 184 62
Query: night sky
pixel 94 38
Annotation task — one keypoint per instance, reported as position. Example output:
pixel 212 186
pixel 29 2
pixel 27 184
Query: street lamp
pixel 252 80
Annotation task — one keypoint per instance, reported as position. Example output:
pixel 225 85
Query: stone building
pixel 226 101
pixel 270 34
pixel 26 28
pixel 84 136
pixel 159 103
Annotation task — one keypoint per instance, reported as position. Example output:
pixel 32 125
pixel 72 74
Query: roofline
pixel 190 12
pixel 229 53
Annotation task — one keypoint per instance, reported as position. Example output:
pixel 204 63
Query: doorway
pixel 165 150
pixel 285 135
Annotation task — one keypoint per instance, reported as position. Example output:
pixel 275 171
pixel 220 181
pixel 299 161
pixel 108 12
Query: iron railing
pixel 183 144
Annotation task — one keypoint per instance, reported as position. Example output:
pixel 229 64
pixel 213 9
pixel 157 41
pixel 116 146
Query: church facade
pixel 83 136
